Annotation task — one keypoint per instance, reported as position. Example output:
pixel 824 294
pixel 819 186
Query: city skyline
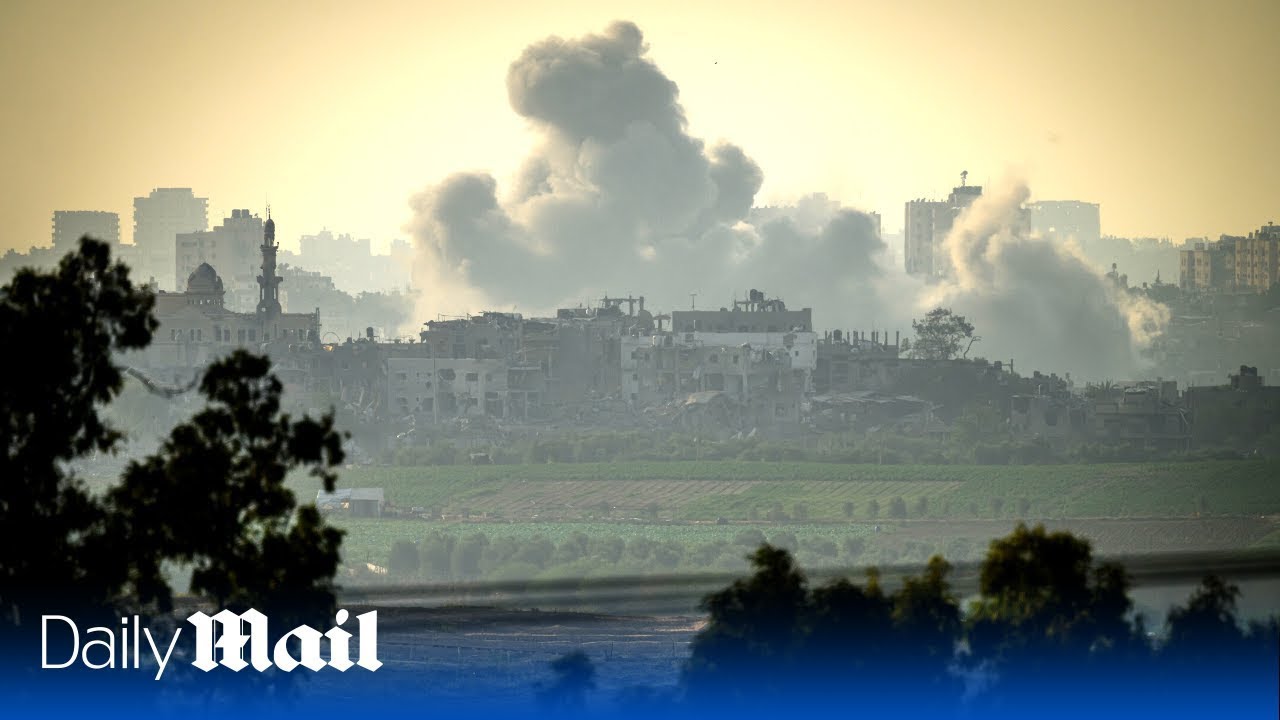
pixel 1155 111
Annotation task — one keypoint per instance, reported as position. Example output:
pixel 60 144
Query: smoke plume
pixel 617 197
pixel 1040 302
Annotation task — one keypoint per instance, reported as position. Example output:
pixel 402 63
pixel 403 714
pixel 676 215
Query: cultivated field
pixel 745 490
pixel 702 513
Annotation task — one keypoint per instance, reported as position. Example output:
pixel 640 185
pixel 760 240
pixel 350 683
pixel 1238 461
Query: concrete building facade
pixel 1066 220
pixel 233 249
pixel 70 225
pixel 925 228
pixel 157 221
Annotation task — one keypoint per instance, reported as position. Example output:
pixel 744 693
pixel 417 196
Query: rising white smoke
pixel 1037 301
pixel 618 198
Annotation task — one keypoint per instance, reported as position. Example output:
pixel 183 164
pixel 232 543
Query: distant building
pixel 157 221
pixel 196 326
pixel 1066 220
pixel 232 249
pixel 1233 263
pixel 1240 412
pixel 70 225
pixel 1208 267
pixel 918 233
pixel 756 314
pixel 1144 414
pixel 845 360
pixel 357 502
pixel 926 225
pixel 1257 259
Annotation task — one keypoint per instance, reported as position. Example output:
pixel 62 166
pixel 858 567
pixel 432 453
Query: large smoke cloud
pixel 1040 300
pixel 618 197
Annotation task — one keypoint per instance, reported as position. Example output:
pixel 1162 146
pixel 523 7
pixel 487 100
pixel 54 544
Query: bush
pixel 404 560
pixel 897 508
pixel 854 547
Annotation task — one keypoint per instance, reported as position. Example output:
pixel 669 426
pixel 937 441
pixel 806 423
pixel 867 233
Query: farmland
pixel 828 492
pixel 600 519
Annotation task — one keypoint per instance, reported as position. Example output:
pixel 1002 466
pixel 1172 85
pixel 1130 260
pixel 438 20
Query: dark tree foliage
pixel 404 560
pixel 76 315
pixel 770 638
pixel 575 676
pixel 212 497
pixel 942 335
pixel 1042 597
pixel 1052 633
pixel 754 628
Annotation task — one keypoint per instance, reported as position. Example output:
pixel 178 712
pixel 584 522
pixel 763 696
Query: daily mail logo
pixel 221 639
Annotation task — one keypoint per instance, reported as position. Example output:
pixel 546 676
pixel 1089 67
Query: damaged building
pixel 1144 413
pixel 756 359
pixel 1240 412
pixel 849 361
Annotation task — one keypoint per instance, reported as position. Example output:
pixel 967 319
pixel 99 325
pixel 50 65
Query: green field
pixel 746 490
pixel 369 540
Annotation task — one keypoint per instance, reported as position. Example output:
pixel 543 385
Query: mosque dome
pixel 204 280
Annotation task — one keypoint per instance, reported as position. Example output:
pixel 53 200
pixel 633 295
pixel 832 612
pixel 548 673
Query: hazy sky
pixel 1163 112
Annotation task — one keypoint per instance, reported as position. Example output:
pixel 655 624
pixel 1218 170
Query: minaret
pixel 268 282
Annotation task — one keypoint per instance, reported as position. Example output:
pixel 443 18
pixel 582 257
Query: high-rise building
pixel 917 235
pixel 233 249
pixel 926 226
pixel 1208 267
pixel 70 225
pixel 1233 264
pixel 1258 259
pixel 1066 220
pixel 157 221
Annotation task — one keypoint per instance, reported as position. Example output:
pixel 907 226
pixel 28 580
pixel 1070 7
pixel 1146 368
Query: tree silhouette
pixel 575 676
pixel 753 628
pixel 941 335
pixel 1048 619
pixel 77 314
pixel 769 639
pixel 212 497
pixel 1051 633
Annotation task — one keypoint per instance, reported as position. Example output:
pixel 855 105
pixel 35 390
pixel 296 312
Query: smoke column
pixel 617 197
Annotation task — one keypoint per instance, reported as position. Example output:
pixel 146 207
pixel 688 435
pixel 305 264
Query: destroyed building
pixel 1240 412
pixel 756 359
pixel 1146 414
pixel 849 361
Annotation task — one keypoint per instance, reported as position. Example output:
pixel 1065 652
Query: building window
pixel 473 377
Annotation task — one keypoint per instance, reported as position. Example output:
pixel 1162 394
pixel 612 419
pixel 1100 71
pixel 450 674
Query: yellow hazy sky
pixel 1166 113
